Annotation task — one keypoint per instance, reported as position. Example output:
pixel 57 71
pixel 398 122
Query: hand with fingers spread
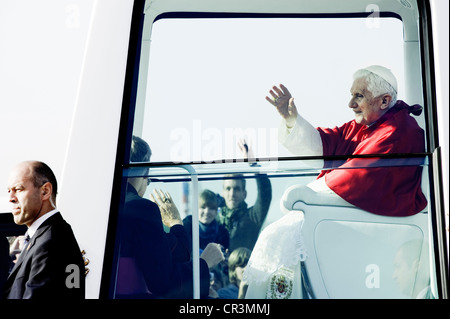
pixel 169 212
pixel 284 102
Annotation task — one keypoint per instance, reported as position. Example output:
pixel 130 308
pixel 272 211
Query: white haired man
pixel 382 125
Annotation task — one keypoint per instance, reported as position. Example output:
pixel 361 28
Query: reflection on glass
pixel 210 230
pixel 149 260
pixel 242 222
pixel 237 261
pixel 288 175
pixel 206 79
pixel 412 271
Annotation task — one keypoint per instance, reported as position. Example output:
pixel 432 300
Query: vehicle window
pixel 208 78
pixel 205 149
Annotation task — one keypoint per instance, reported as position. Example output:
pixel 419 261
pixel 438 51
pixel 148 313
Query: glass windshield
pixel 208 78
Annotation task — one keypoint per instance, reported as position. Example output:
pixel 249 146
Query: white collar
pixel 38 222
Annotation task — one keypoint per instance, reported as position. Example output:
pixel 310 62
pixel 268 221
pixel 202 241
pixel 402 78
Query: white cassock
pixel 273 270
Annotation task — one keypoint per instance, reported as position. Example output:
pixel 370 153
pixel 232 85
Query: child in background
pixel 210 231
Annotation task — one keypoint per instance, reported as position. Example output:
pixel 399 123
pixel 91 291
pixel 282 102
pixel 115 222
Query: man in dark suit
pixel 148 256
pixel 51 264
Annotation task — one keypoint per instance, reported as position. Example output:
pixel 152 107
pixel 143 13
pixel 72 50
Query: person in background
pixel 218 280
pixel 148 256
pixel 210 256
pixel 242 222
pixel 210 231
pixel 236 265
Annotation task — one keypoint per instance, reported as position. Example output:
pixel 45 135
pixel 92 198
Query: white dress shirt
pixel 38 222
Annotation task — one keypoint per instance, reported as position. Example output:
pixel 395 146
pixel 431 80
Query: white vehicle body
pixel 91 158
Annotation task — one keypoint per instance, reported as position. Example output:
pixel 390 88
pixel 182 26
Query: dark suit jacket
pixel 153 263
pixel 148 255
pixel 52 265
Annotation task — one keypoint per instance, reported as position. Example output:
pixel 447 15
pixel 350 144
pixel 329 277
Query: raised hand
pixel 284 103
pixel 169 212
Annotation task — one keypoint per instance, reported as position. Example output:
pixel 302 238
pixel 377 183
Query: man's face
pixel 24 196
pixel 234 193
pixel 367 108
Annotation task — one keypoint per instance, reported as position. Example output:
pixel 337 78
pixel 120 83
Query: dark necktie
pixel 26 241
pixel 24 248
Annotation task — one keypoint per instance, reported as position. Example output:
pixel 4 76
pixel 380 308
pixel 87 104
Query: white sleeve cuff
pixel 302 139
